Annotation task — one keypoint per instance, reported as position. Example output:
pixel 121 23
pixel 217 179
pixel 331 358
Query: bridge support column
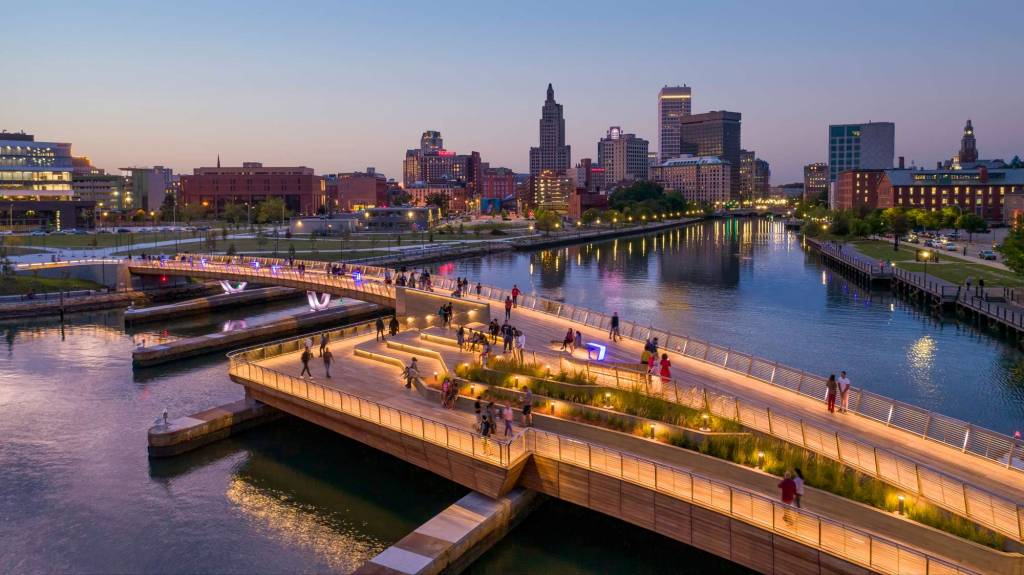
pixel 228 288
pixel 318 301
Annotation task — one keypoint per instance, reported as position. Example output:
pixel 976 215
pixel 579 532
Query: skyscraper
pixel 623 156
pixel 673 103
pixel 553 153
pixel 714 134
pixel 852 146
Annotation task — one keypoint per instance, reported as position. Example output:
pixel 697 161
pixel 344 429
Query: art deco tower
pixel 552 154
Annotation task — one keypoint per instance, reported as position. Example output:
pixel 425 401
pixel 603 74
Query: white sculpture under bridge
pixel 318 301
pixel 228 288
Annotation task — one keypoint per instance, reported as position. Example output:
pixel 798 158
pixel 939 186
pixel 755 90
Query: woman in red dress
pixel 666 369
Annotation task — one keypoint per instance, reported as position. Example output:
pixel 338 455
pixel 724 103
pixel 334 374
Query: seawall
pixel 207 303
pixel 194 431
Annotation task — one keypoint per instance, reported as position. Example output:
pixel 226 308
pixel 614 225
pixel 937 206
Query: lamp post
pixel 925 255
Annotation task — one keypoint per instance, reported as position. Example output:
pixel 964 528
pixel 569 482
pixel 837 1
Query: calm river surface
pixel 80 495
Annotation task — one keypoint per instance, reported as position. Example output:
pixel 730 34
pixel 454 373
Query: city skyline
pixel 194 88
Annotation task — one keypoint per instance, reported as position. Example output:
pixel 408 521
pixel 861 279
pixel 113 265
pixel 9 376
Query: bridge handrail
pixel 851 544
pixel 986 508
pixel 979 505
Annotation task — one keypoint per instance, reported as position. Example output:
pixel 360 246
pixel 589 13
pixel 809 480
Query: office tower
pixel 714 134
pixel 851 146
pixel 36 188
pixel 815 180
pixel 553 153
pixel 747 159
pixel 146 188
pixel 623 156
pixel 431 141
pixel 762 179
pixel 673 103
pixel 705 180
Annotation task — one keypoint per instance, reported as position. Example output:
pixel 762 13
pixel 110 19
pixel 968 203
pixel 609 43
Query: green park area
pixel 17 285
pixel 948 266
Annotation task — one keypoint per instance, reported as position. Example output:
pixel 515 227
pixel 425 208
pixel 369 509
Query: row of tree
pixel 865 222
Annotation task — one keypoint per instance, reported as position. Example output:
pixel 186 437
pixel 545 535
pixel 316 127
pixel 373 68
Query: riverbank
pixel 568 237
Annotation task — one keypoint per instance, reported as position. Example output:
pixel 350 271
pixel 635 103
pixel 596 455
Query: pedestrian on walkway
pixel 478 288
pixel 613 331
pixel 830 395
pixel 520 345
pixel 508 308
pixel 394 326
pixel 305 357
pixel 527 407
pixel 577 342
pixel 968 282
pixel 485 353
pixel 844 392
pixel 567 340
pixel 380 329
pixel 788 488
pixel 324 339
pixel 515 295
pixel 507 415
pixel 981 286
pixel 506 337
pixel 328 357
pixel 460 337
pixel 798 481
pixel 478 411
pixel 445 389
pixel 411 373
pixel 666 369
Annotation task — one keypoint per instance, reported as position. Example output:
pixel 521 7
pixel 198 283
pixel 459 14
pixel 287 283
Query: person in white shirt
pixel 844 392
pixel 520 344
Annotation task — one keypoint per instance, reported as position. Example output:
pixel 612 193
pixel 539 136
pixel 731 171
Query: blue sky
pixel 340 86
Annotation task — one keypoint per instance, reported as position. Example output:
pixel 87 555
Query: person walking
pixel 515 295
pixel 527 407
pixel 520 345
pixel 478 288
pixel 506 415
pixel 613 330
pixel 478 411
pixel 380 329
pixel 830 396
pixel 981 287
pixel 666 369
pixel 577 342
pixel 798 482
pixel 328 357
pixel 324 339
pixel 445 388
pixel 567 340
pixel 305 357
pixel 411 373
pixel 508 308
pixel 844 392
pixel 788 488
pixel 506 338
pixel 394 326
pixel 460 337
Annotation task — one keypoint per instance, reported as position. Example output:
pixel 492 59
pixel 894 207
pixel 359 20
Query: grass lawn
pixel 24 284
pixel 949 267
pixel 93 240
pixel 19 251
pixel 959 272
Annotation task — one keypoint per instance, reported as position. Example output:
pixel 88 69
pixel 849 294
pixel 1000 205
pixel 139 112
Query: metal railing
pixel 861 263
pixel 1001 312
pixel 995 512
pixel 981 506
pixel 851 544
pixel 920 280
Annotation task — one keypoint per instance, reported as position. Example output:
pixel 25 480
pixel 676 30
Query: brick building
pixel 302 191
pixel 857 188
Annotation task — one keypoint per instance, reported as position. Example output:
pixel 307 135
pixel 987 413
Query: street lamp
pixel 925 255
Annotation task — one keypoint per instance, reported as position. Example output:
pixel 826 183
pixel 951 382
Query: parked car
pixel 987 255
pixel 912 239
pixel 950 247
pixel 123 231
pixel 38 233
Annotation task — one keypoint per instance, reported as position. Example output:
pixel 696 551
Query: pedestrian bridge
pixel 966 470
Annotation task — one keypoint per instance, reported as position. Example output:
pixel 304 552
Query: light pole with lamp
pixel 925 255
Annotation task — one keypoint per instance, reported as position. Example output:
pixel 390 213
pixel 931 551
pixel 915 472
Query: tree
pixel 950 216
pixel 400 198
pixel 972 224
pixel 590 216
pixel 440 200
pixel 931 220
pixel 1012 249
pixel 635 193
pixel 193 212
pixel 234 213
pixel 1016 163
pixel 612 216
pixel 546 220
pixel 272 210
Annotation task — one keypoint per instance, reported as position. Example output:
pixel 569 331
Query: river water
pixel 80 495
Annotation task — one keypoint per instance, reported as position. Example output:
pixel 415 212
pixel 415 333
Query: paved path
pixel 381 382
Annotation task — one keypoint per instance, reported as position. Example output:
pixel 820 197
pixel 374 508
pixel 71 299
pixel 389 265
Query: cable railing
pixel 857 546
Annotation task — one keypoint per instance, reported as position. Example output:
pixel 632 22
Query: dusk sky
pixel 341 86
